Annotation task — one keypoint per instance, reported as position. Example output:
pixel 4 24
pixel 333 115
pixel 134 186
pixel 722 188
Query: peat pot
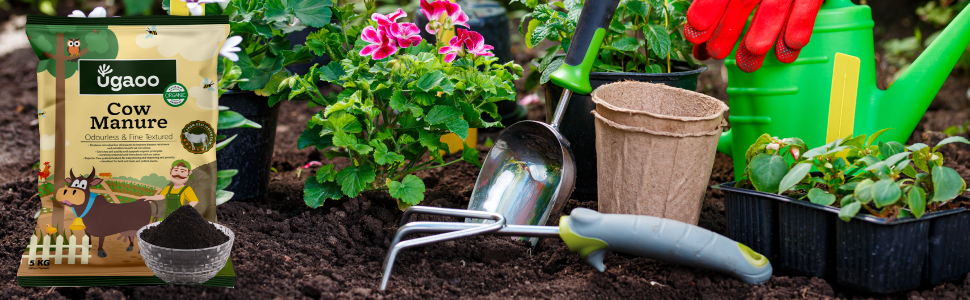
pixel 252 151
pixel 867 253
pixel 578 126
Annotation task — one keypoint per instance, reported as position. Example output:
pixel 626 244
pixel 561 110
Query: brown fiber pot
pixel 655 148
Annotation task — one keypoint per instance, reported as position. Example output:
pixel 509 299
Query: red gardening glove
pixel 714 27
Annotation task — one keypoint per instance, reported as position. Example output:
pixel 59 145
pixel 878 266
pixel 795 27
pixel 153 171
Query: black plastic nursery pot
pixel 252 151
pixel 867 253
pixel 578 126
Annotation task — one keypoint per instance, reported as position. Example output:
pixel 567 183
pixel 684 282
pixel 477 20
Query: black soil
pixel 185 228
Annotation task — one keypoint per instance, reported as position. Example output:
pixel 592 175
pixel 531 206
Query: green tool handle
pixel 594 21
pixel 592 234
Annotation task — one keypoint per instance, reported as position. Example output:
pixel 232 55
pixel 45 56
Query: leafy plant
pixel 400 95
pixel 262 28
pixel 856 173
pixel 644 35
pixel 900 53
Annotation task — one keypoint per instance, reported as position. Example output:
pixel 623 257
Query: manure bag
pixel 127 110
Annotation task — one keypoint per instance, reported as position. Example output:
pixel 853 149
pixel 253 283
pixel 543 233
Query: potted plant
pixel 400 95
pixel 258 31
pixel 645 42
pixel 902 220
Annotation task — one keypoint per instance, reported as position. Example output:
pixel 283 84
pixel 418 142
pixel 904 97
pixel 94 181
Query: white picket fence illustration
pixel 58 256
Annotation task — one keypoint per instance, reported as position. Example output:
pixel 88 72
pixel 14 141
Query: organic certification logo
pixel 175 94
pixel 198 137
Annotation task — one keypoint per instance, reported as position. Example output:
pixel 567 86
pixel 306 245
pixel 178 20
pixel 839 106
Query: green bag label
pixel 126 76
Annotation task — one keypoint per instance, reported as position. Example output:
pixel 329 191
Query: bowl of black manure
pixel 185 248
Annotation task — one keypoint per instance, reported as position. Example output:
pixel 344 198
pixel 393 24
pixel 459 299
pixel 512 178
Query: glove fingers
pixel 768 22
pixel 729 29
pixel 700 52
pixel 696 36
pixel 784 53
pixel 801 22
pixel 703 14
pixel 747 61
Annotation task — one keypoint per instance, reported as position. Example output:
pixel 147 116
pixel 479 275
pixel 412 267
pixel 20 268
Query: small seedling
pixel 857 173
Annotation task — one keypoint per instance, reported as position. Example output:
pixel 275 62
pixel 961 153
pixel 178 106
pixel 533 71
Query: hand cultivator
pixel 592 234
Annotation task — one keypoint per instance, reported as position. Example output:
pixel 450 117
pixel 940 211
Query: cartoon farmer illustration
pixel 177 193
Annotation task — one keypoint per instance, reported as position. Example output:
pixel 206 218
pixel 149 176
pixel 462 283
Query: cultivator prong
pixel 478 229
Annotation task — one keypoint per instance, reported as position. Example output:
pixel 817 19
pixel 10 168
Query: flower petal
pixel 369 49
pixel 450 57
pixel 397 15
pixel 77 13
pixel 371 35
pixel 384 52
pixel 98 12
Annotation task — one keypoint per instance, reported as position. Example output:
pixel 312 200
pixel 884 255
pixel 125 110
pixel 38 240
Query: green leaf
pixel 384 157
pixel 891 148
pixel 951 139
pixel 638 8
pixel 863 191
pixel 326 173
pixel 820 197
pixel 874 136
pixel 345 140
pixel 627 44
pixel 342 122
pixel 533 24
pixel 794 176
pixel 354 180
pixel 885 193
pixel 917 201
pixel 332 72
pixel 315 13
pixel 223 196
pixel 947 184
pixel 309 137
pixel 916 147
pixel 658 39
pixel 258 76
pixel 429 81
pixel 410 190
pixel 429 140
pixel 766 172
pixel 849 210
pixel 227 173
pixel 315 192
pixel 470 155
pixel 441 114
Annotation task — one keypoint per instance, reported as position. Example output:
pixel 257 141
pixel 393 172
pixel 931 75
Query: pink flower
pixel 473 41
pixel 476 44
pixel 407 34
pixel 381 45
pixel 386 20
pixel 434 10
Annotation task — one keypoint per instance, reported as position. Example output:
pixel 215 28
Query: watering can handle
pixel 592 234
pixel 594 20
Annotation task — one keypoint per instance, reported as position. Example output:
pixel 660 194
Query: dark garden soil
pixel 285 250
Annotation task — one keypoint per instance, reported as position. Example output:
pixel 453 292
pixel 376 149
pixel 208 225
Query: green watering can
pixel 793 100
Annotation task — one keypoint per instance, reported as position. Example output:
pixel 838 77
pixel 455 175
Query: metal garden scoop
pixel 529 172
pixel 592 234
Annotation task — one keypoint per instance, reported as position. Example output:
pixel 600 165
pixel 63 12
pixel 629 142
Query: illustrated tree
pixel 50 44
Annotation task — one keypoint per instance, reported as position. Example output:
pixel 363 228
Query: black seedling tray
pixel 867 253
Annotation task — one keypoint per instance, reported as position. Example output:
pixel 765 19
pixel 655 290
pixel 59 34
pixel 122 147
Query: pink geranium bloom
pixel 454 46
pixel 471 40
pixel 386 20
pixel 476 44
pixel 381 45
pixel 407 34
pixel 434 10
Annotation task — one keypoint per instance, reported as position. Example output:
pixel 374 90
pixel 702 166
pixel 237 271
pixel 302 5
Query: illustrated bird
pixel 46 172
pixel 74 48
pixel 50 230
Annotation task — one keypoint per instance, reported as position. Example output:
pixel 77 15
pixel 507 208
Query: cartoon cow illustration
pixel 103 218
pixel 196 139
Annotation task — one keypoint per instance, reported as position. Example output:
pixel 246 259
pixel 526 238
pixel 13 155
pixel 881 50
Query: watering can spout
pixel 903 104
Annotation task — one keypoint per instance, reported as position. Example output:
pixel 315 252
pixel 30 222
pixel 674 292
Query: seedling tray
pixel 867 253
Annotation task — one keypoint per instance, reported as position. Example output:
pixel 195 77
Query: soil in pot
pixel 578 124
pixel 185 228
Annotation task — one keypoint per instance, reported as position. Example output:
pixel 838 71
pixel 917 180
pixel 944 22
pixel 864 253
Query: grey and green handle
pixel 592 234
pixel 593 23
